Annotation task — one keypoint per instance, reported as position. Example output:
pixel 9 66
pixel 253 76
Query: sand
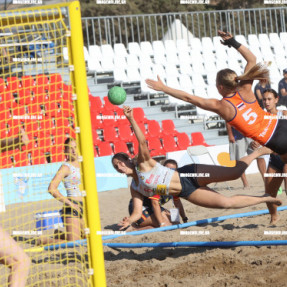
pixel 181 266
pixel 201 267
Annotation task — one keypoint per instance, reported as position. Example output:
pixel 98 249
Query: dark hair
pixel 170 161
pixel 121 156
pixel 67 143
pixel 272 92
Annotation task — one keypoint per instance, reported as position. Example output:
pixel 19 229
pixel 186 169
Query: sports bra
pixel 251 120
pixel 155 181
pixel 72 181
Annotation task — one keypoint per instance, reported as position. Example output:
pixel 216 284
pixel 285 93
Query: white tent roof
pixel 178 31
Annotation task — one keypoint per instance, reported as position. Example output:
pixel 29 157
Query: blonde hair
pixel 229 79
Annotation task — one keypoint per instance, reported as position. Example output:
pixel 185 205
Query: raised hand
pixel 155 85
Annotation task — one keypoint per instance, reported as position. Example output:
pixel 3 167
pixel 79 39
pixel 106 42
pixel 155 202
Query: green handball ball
pixel 117 95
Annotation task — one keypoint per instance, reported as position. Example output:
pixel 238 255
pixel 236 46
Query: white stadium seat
pixel 120 62
pixel 107 64
pixel 145 60
pixel 95 52
pixel 120 75
pixel 185 83
pixel 146 48
pixel 183 56
pixel 171 70
pixel 195 44
pixel 253 41
pixel 275 40
pixel 94 65
pixel 207 44
pixel 134 48
pixel 185 68
pixel 158 70
pixel 158 47
pixel 133 60
pixel 120 50
pixel 182 45
pixel 107 51
pixel 159 58
pixel 133 74
pixel 264 40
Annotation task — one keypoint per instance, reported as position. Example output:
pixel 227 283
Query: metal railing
pixel 151 27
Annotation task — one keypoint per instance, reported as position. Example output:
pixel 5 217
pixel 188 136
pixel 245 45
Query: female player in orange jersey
pixel 239 106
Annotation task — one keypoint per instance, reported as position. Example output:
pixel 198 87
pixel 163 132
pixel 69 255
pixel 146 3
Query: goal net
pixel 43 94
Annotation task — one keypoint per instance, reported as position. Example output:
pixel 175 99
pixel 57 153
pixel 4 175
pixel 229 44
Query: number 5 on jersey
pixel 249 116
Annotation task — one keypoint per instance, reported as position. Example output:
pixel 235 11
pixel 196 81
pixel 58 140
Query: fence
pixel 151 27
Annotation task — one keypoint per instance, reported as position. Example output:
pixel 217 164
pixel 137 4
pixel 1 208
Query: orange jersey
pixel 251 120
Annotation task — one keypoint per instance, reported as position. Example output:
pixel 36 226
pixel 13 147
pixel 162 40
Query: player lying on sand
pixel 239 106
pixel 152 178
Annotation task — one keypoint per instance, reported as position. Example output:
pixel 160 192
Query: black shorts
pixel 188 183
pixel 68 211
pixel 276 162
pixel 278 141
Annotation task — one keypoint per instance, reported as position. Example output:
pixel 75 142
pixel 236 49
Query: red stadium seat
pixel 108 118
pixel 155 147
pixel 45 143
pixel 25 97
pixel 55 83
pixel 41 95
pixel 121 118
pixel 42 82
pixel 96 119
pixel 96 104
pixel 139 115
pixel 8 99
pixel 13 84
pixel 57 154
pixel 13 127
pixel 2 85
pixel 28 83
pixel 168 127
pixel 52 109
pixel 110 134
pixel 125 133
pixel 120 146
pixel 55 96
pixel 104 149
pixel 198 139
pixel 67 108
pixel 96 138
pixel 6 159
pixel 5 114
pixel 135 147
pixel 183 141
pixel 21 159
pixel 18 111
pixel 169 143
pixel 154 128
pixel 38 157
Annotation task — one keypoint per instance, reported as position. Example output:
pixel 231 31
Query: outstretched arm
pixel 244 51
pixel 143 154
pixel 206 104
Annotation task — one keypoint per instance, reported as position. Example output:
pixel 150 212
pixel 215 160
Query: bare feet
pixel 274 219
pixel 264 150
pixel 270 199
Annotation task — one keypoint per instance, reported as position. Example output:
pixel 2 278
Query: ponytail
pixel 230 81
